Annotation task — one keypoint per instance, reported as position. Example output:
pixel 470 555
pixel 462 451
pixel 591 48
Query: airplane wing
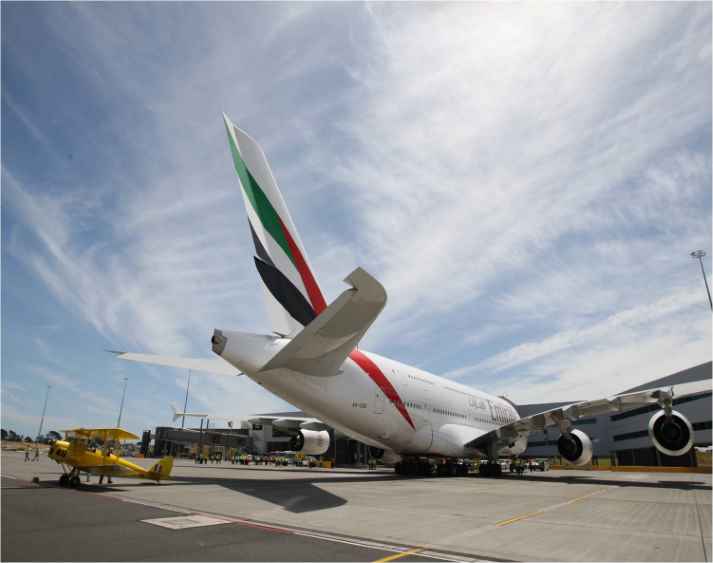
pixel 323 345
pixel 508 433
pixel 103 433
pixel 215 365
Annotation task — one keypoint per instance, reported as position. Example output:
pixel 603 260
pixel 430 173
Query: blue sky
pixel 526 180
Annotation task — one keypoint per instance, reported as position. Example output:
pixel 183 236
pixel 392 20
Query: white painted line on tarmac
pixel 190 521
pixel 427 553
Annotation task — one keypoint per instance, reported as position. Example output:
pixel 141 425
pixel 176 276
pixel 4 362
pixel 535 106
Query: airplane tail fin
pixel 162 468
pixel 293 295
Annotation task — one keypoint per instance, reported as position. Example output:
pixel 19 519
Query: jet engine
pixel 515 448
pixel 310 442
pixel 575 447
pixel 672 435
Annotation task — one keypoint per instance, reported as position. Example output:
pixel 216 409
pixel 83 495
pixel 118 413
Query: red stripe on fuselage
pixel 313 291
pixel 384 384
pixel 319 305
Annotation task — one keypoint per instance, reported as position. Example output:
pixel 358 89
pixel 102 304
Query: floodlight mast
pixel 699 254
pixel 121 407
pixel 185 403
pixel 44 410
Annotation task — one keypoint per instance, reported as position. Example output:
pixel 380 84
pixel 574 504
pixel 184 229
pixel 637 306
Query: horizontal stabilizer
pixel 323 345
pixel 161 469
pixel 210 365
pixel 178 414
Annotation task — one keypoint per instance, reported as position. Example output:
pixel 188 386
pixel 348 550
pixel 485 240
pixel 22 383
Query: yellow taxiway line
pixel 396 556
pixel 519 517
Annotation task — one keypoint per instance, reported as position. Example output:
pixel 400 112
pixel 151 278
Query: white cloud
pixel 536 168
pixel 627 327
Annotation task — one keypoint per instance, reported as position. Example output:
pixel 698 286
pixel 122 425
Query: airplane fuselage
pixel 379 401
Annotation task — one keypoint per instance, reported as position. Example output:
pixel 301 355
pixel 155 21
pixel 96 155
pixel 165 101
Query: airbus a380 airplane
pixel 312 361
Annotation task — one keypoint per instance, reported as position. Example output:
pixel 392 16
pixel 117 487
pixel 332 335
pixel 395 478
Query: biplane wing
pixel 103 434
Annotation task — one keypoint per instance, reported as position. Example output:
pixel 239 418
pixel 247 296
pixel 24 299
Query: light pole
pixel 699 254
pixel 121 407
pixel 185 404
pixel 44 410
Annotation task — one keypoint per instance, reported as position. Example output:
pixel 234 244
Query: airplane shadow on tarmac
pixel 294 495
pixel 304 495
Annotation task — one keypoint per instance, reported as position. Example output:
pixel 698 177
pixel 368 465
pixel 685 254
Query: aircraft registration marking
pixel 189 521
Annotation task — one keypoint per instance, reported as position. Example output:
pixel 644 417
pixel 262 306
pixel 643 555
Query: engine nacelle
pixel 514 448
pixel 310 442
pixel 575 447
pixel 671 435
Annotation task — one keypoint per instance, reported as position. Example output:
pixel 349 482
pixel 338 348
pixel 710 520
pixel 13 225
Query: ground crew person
pixel 37 454
pixel 372 463
pixel 27 453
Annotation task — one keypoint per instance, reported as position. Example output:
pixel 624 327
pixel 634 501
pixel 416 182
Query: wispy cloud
pixel 521 178
pixel 633 327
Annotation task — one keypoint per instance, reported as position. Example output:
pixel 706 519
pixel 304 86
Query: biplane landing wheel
pixel 64 480
pixel 75 481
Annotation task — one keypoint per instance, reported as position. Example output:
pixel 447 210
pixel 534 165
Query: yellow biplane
pixel 77 451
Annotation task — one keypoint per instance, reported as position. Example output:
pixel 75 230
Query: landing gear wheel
pixel 75 481
pixel 489 469
pixel 64 480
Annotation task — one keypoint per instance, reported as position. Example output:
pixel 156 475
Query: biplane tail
pixel 161 469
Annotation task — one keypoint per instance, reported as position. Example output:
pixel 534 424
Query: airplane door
pixel 379 401
pixel 422 439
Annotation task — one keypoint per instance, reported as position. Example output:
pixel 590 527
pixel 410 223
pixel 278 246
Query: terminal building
pixel 621 438
pixel 252 437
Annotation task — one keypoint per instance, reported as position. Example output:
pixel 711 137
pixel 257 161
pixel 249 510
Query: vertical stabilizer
pixel 293 295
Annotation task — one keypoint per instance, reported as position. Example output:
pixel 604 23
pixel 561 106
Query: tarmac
pixel 296 514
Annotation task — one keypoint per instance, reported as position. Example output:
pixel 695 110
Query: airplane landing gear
pixel 490 469
pixel 413 467
pixel 426 468
pixel 70 479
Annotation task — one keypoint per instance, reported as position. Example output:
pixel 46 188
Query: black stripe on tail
pixel 285 292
